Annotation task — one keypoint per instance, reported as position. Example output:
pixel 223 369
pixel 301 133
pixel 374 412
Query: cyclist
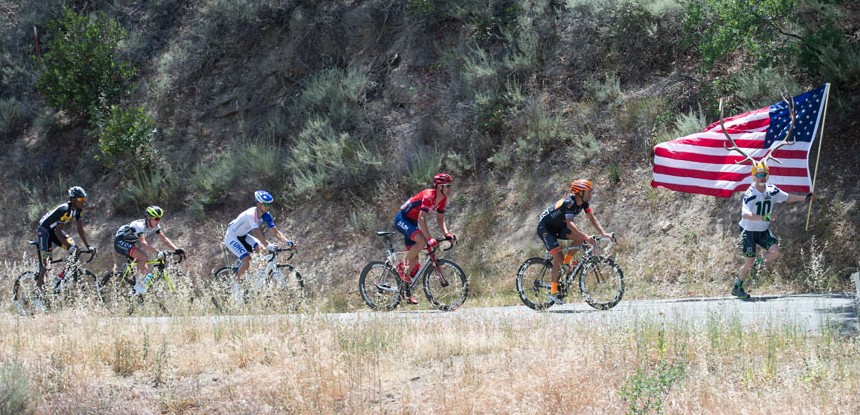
pixel 556 222
pixel 756 216
pixel 411 221
pixel 130 241
pixel 245 236
pixel 52 229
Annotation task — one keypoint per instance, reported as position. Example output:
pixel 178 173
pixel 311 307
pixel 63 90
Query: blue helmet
pixel 262 196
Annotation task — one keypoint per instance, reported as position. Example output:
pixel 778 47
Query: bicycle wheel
pixel 117 291
pixel 601 282
pixel 379 286
pixel 84 290
pixel 533 283
pixel 445 285
pixel 219 288
pixel 289 287
pixel 26 294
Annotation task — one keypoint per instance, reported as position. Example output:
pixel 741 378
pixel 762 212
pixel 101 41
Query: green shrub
pixel 608 92
pixel 147 186
pixel 647 388
pixel 125 137
pixel 82 72
pixel 16 395
pixel 13 116
pixel 335 94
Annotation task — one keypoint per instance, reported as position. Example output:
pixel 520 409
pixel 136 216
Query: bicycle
pixel 601 280
pixel 74 284
pixel 445 284
pixel 277 283
pixel 116 286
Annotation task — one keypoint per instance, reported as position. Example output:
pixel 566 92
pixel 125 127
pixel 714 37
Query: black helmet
pixel 76 192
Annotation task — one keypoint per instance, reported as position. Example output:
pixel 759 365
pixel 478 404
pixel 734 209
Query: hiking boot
pixel 738 290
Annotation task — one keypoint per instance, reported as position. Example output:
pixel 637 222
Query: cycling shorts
pixel 122 246
pixel 749 239
pixel 241 246
pixel 407 227
pixel 550 235
pixel 47 239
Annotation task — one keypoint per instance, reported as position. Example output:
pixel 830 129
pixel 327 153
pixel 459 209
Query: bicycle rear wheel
pixel 533 283
pixel 26 294
pixel 601 282
pixel 445 285
pixel 379 286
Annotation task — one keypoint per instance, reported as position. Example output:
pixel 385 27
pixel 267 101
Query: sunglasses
pixel 446 185
pixel 81 199
pixel 760 175
pixel 156 219
pixel 267 204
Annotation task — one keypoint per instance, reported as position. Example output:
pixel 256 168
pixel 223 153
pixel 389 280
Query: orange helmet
pixel 580 185
pixel 759 167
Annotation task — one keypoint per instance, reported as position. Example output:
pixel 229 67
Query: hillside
pixel 345 108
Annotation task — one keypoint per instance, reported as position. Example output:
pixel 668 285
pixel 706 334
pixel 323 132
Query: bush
pixel 13 116
pixel 125 136
pixel 82 73
pixel 334 94
pixel 16 396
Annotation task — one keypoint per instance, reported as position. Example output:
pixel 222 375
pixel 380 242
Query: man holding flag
pixel 703 163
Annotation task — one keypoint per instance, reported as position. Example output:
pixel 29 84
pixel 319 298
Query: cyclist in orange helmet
pixel 556 222
pixel 411 221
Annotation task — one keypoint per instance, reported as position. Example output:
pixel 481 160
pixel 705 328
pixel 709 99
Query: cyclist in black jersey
pixel 52 229
pixel 556 222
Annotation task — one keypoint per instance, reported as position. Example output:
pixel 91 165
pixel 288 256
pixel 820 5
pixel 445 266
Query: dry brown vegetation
pixel 418 363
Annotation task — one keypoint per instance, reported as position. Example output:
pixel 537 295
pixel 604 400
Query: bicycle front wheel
pixel 533 283
pixel 85 290
pixel 290 286
pixel 220 288
pixel 26 294
pixel 601 282
pixel 445 285
pixel 379 286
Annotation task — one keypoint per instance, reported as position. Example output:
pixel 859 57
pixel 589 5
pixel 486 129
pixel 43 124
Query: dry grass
pixel 451 363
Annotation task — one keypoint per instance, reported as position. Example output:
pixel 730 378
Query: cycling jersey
pixel 132 231
pixel 557 215
pixel 425 201
pixel 238 238
pixel 62 213
pixel 760 203
pixel 248 221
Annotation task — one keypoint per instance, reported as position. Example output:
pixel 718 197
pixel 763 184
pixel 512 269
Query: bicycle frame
pixel 71 267
pixel 159 265
pixel 393 257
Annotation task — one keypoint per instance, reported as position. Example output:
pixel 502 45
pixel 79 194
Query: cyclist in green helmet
pixel 130 241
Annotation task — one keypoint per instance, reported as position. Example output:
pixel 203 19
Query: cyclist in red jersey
pixel 411 221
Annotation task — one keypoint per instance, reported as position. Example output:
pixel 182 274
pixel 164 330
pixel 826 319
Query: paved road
pixel 807 312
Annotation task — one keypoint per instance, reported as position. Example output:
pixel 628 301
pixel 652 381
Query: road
pixel 812 313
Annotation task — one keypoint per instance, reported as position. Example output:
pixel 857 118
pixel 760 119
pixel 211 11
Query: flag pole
pixel 818 157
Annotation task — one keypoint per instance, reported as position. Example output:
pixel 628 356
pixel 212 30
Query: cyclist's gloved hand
pixel 271 247
pixel 92 249
pixel 767 217
pixel 160 255
pixel 451 236
pixel 808 197
pixel 179 251
pixel 432 242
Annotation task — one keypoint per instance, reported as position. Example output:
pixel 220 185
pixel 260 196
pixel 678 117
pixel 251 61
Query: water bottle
pixel 279 277
pixel 147 280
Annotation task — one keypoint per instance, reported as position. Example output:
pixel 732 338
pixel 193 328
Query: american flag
pixel 699 163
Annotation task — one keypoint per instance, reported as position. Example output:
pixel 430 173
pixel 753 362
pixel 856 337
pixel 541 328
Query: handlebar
pixel 91 251
pixel 291 248
pixel 598 238
pixel 451 242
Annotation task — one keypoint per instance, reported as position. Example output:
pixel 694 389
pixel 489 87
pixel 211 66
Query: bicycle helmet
pixel 580 185
pixel 262 196
pixel 759 167
pixel 76 192
pixel 154 212
pixel 442 178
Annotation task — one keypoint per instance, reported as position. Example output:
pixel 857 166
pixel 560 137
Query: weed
pixel 16 394
pixel 646 390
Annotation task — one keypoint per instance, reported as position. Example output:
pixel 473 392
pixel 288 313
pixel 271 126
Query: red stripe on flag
pixel 706 158
pixel 694 189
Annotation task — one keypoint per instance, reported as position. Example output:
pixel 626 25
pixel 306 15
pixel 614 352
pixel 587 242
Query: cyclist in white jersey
pixel 756 216
pixel 244 234
pixel 131 236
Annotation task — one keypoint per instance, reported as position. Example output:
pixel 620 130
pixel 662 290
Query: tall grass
pixel 458 363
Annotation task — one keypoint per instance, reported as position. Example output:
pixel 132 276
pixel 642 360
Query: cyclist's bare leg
pixel 44 257
pixel 556 268
pixel 141 259
pixel 414 250
pixel 246 262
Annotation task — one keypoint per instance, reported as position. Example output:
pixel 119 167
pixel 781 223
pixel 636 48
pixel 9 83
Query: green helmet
pixel 154 212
